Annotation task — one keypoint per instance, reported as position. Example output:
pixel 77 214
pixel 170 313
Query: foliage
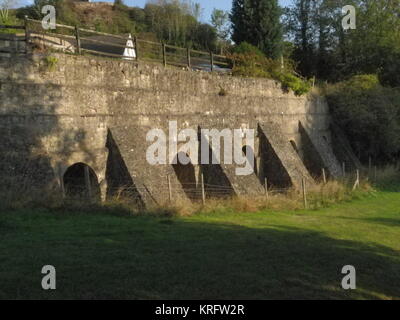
pixel 51 62
pixel 174 22
pixel 370 115
pixel 247 48
pixel 324 49
pixel 249 61
pixel 220 22
pixel 258 23
pixel 10 20
pixel 290 81
pixel 5 7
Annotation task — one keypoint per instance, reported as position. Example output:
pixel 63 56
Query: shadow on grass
pixel 385 221
pixel 147 258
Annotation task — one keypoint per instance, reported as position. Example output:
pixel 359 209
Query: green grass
pixel 225 255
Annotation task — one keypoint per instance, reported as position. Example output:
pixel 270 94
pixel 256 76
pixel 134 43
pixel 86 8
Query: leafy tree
pixel 204 37
pixel 369 114
pixel 220 21
pixel 258 23
pixel 324 49
pixel 172 20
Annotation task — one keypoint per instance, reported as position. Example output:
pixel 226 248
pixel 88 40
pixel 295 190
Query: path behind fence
pixel 84 41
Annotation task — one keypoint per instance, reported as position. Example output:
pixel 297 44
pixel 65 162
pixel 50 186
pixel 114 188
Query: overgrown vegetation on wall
pixel 249 61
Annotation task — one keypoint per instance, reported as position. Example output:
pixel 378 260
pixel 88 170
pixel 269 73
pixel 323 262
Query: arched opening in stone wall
pixel 251 158
pixel 80 183
pixel 185 172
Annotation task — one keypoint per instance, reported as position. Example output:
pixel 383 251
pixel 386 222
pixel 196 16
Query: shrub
pixel 249 61
pixel 370 116
pixel 290 81
pixel 248 49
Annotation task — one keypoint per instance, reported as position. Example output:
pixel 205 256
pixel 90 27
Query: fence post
pixel 375 174
pixel 357 183
pixel 203 193
pixel 169 188
pixel 78 40
pixel 303 185
pixel 136 47
pixel 323 175
pixel 266 188
pixel 344 169
pixel 369 167
pixel 164 53
pixel 212 61
pixel 188 57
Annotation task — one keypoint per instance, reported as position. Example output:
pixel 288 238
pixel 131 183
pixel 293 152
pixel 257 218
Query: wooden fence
pixel 85 41
pixel 12 43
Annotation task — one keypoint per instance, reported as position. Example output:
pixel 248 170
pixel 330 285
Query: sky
pixel 207 5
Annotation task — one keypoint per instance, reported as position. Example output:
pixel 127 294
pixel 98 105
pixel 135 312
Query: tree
pixel 258 23
pixel 369 115
pixel 204 37
pixel 220 21
pixel 323 48
pixel 172 20
pixel 5 6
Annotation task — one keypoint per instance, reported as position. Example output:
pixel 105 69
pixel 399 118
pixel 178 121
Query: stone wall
pixel 11 44
pixel 98 112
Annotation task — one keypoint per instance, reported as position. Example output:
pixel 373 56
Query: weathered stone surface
pixel 343 150
pixel 98 112
pixel 282 164
pixel 319 153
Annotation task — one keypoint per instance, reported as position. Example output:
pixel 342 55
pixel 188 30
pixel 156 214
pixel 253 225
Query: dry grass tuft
pixel 320 195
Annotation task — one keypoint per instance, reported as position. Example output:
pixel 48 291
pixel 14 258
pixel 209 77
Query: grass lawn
pixel 226 255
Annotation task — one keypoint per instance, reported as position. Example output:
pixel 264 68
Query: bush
pixel 248 49
pixel 370 116
pixel 290 81
pixel 249 61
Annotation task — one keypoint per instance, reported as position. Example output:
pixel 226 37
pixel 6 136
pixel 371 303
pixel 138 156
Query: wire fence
pixel 196 191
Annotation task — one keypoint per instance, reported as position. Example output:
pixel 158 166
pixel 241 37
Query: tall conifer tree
pixel 258 23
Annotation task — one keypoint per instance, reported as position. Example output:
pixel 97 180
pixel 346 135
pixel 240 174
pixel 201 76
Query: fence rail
pixel 85 41
pixel 4 26
pixel 12 43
